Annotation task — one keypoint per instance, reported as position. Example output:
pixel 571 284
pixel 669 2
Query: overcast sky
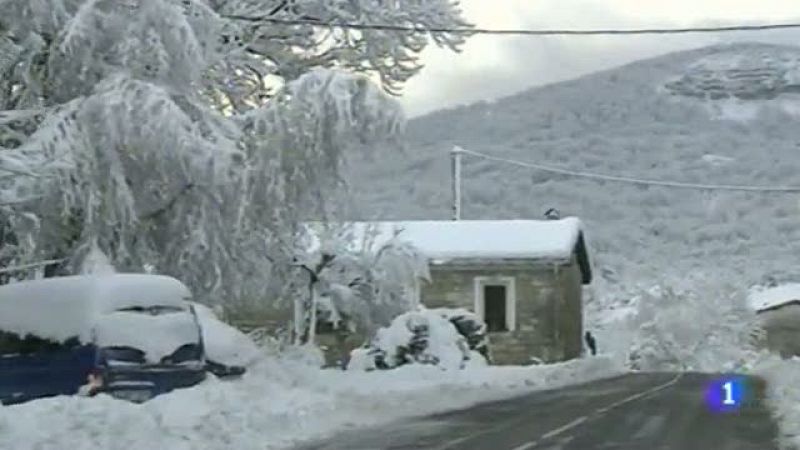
pixel 494 66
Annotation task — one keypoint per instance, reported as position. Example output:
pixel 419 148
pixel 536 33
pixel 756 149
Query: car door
pixel 44 372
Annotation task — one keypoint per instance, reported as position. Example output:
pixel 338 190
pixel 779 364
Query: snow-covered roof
pixel 762 299
pixel 64 307
pixel 446 240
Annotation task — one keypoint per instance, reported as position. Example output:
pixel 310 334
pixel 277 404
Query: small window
pixel 495 303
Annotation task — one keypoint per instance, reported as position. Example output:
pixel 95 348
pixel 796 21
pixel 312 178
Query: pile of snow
pixel 443 240
pixel 762 298
pixel 417 337
pixel 277 404
pixel 709 327
pixel 225 344
pixel 783 395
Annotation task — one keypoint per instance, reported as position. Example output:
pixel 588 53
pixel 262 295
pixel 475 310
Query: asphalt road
pixel 637 411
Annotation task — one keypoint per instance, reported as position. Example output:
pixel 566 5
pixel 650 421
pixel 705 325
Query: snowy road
pixel 636 411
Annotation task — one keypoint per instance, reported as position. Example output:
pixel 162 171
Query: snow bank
pixel 783 395
pixel 277 404
pixel 442 240
pixel 224 343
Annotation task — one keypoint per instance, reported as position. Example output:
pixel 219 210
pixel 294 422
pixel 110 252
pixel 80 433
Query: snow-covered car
pixel 133 336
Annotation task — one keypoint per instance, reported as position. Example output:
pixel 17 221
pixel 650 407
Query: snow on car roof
pixel 767 298
pixel 63 307
pixel 127 290
pixel 442 240
pixel 53 308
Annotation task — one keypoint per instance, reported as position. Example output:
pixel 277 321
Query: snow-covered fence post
pixel 455 156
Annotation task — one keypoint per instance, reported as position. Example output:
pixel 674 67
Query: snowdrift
pixel 783 394
pixel 277 404
pixel 224 343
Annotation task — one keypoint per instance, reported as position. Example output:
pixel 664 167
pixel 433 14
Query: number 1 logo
pixel 729 397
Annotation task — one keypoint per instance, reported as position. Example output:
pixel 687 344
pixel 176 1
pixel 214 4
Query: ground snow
pixel 783 395
pixel 278 403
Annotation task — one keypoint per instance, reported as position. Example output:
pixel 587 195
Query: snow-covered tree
pixel 707 328
pixel 358 279
pixel 191 136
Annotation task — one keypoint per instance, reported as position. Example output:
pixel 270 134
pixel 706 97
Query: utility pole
pixel 455 178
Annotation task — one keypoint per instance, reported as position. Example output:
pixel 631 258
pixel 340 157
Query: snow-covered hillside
pixel 720 115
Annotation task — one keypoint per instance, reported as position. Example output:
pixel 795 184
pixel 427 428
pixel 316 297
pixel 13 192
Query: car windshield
pixel 124 355
pixel 152 335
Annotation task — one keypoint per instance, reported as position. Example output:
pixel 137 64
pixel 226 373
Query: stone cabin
pixel 778 310
pixel 523 277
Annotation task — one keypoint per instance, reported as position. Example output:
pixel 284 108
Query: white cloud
pixel 493 66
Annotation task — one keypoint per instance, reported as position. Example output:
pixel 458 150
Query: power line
pixel 527 32
pixel 631 180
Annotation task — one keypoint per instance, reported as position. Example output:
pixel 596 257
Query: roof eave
pixel 778 306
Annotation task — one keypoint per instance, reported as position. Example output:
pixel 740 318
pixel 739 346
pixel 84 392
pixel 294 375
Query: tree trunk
pixel 312 326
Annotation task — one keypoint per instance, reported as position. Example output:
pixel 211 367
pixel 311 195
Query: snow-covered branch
pixel 116 137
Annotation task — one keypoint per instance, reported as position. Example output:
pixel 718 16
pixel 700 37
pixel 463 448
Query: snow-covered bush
pixel 469 325
pixel 417 337
pixel 707 328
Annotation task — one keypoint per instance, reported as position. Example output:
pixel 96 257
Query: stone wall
pixel 571 320
pixel 549 308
